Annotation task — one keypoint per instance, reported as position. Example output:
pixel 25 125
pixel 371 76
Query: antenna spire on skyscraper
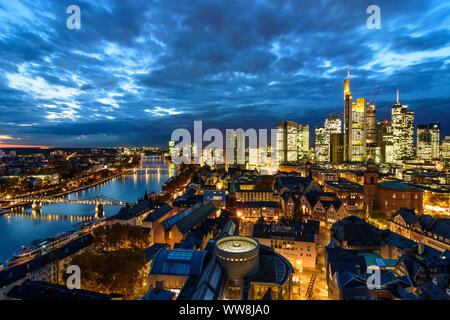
pixel 397 96
pixel 348 72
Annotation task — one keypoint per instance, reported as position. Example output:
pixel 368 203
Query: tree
pixel 118 236
pixel 115 262
pixel 122 271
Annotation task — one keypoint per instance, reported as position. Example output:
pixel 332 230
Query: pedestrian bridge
pixel 97 200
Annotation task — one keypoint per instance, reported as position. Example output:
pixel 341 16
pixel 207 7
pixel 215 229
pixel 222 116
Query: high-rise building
pixel 384 142
pixel 403 132
pixel 347 118
pixel 428 141
pixel 423 142
pixel 287 141
pixel 354 125
pixel 371 131
pixel 321 144
pixel 435 131
pixel 302 142
pixel 336 148
pixel 445 154
pixel 332 125
pixel 358 150
pixel 171 146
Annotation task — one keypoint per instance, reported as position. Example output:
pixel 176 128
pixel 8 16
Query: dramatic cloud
pixel 136 70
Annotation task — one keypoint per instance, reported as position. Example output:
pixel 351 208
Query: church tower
pixel 370 186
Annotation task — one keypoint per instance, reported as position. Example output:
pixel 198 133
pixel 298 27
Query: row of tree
pixel 115 262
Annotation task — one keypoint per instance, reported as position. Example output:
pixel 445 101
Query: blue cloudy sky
pixel 136 70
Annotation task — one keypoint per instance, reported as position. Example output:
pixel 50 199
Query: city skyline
pixel 132 79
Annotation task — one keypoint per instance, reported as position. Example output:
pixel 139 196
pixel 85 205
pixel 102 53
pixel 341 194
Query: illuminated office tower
pixel 187 151
pixel 303 142
pixel 332 125
pixel 287 141
pixel 445 154
pixel 321 144
pixel 435 131
pixel 423 142
pixel 347 119
pixel 403 132
pixel 358 148
pixel 171 145
pixel 354 125
pixel 371 131
pixel 336 148
pixel 384 141
pixel 231 148
pixel 253 159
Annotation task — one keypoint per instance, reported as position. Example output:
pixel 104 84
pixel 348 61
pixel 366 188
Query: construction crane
pixel 377 91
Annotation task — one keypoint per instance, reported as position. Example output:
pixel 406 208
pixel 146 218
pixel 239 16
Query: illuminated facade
pixel 354 125
pixel 435 131
pixel 333 124
pixel 371 131
pixel 321 144
pixel 402 132
pixel 358 135
pixel 303 142
pixel 384 142
pixel 423 143
pixel 446 148
pixel 287 141
pixel 336 148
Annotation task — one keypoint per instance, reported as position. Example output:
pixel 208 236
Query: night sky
pixel 136 70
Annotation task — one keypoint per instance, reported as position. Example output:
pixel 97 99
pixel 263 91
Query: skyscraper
pixel 321 144
pixel 428 141
pixel 354 125
pixel 336 148
pixel 402 132
pixel 332 125
pixel 371 131
pixel 302 142
pixel 347 119
pixel 423 142
pixel 384 141
pixel 287 141
pixel 446 148
pixel 435 131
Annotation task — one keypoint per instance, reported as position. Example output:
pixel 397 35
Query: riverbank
pixel 87 186
pixel 64 193
pixel 22 228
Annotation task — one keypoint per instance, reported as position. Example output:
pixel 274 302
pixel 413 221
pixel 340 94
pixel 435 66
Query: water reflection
pixel 24 226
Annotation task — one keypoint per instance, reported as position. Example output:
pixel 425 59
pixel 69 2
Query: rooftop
pixel 178 262
pixel 397 185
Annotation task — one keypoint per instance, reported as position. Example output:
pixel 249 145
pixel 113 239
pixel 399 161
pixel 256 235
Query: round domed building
pixel 238 255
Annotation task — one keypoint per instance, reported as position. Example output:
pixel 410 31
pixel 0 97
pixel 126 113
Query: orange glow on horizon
pixel 23 146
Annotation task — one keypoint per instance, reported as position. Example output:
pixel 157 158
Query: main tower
pixel 347 119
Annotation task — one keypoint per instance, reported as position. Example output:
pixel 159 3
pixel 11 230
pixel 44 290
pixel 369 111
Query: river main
pixel 17 229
